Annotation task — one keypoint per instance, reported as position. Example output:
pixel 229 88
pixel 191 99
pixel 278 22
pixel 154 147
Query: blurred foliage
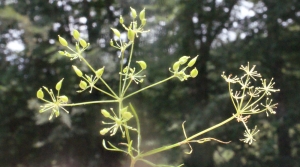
pixel 268 36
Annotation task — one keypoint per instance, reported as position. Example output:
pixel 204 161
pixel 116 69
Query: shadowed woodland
pixel 224 33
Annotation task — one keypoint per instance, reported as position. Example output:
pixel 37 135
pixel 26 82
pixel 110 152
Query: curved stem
pixel 164 148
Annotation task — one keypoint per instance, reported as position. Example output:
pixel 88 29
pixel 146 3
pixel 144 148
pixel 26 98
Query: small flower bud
pixel 133 13
pixel 104 131
pixel 142 14
pixel 176 66
pixel 183 59
pixel 68 54
pixel 124 109
pixel 40 94
pixel 130 34
pixel 99 72
pixel 125 69
pixel 111 42
pixel 116 32
pixel 83 43
pixel 82 84
pixel 127 115
pixel 76 34
pixel 58 85
pixel 105 113
pixel 77 47
pixel 61 52
pixel 142 64
pixel 194 73
pixel 77 71
pixel 144 21
pixel 121 19
pixel 193 61
pixel 62 41
pixel 63 98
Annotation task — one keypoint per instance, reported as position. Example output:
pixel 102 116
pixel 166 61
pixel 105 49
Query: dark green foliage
pixel 74 139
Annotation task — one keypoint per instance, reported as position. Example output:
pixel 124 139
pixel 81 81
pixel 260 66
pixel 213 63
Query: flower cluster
pixel 118 122
pixel 58 101
pixel 247 99
pixel 180 74
pixel 130 73
pixel 81 45
pixel 132 31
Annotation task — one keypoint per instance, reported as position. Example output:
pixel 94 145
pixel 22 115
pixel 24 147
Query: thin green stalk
pixel 139 137
pixel 108 87
pixel 129 62
pixel 90 102
pixel 164 148
pixel 104 92
pixel 149 86
pixel 229 89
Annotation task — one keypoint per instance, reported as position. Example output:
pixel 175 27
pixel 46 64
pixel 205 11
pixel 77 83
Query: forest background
pixel 224 33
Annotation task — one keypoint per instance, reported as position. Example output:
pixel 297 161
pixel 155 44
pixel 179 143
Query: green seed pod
pixel 83 43
pixel 193 61
pixel 104 131
pixel 40 94
pixel 77 71
pixel 61 52
pixel 183 59
pixel 125 69
pixel 142 64
pixel 144 21
pixel 142 14
pixel 82 84
pixel 76 34
pixel 62 41
pixel 105 113
pixel 63 98
pixel 58 85
pixel 124 109
pixel 99 72
pixel 111 42
pixel 116 32
pixel 127 115
pixel 176 66
pixel 141 80
pixel 130 34
pixel 133 13
pixel 121 19
pixel 194 73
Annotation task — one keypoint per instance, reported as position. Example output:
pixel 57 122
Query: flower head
pixel 229 79
pixel 58 102
pixel 249 135
pixel 267 88
pixel 118 122
pixel 270 107
pixel 250 72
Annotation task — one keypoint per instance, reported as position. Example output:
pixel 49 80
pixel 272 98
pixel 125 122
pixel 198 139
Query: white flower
pixel 250 135
pixel 251 73
pixel 267 88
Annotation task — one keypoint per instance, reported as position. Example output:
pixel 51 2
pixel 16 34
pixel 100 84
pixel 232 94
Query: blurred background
pixel 224 33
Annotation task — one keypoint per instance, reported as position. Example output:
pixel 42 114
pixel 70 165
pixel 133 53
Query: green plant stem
pixel 129 62
pixel 139 137
pixel 149 86
pixel 108 94
pixel 108 87
pixel 90 102
pixel 164 148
